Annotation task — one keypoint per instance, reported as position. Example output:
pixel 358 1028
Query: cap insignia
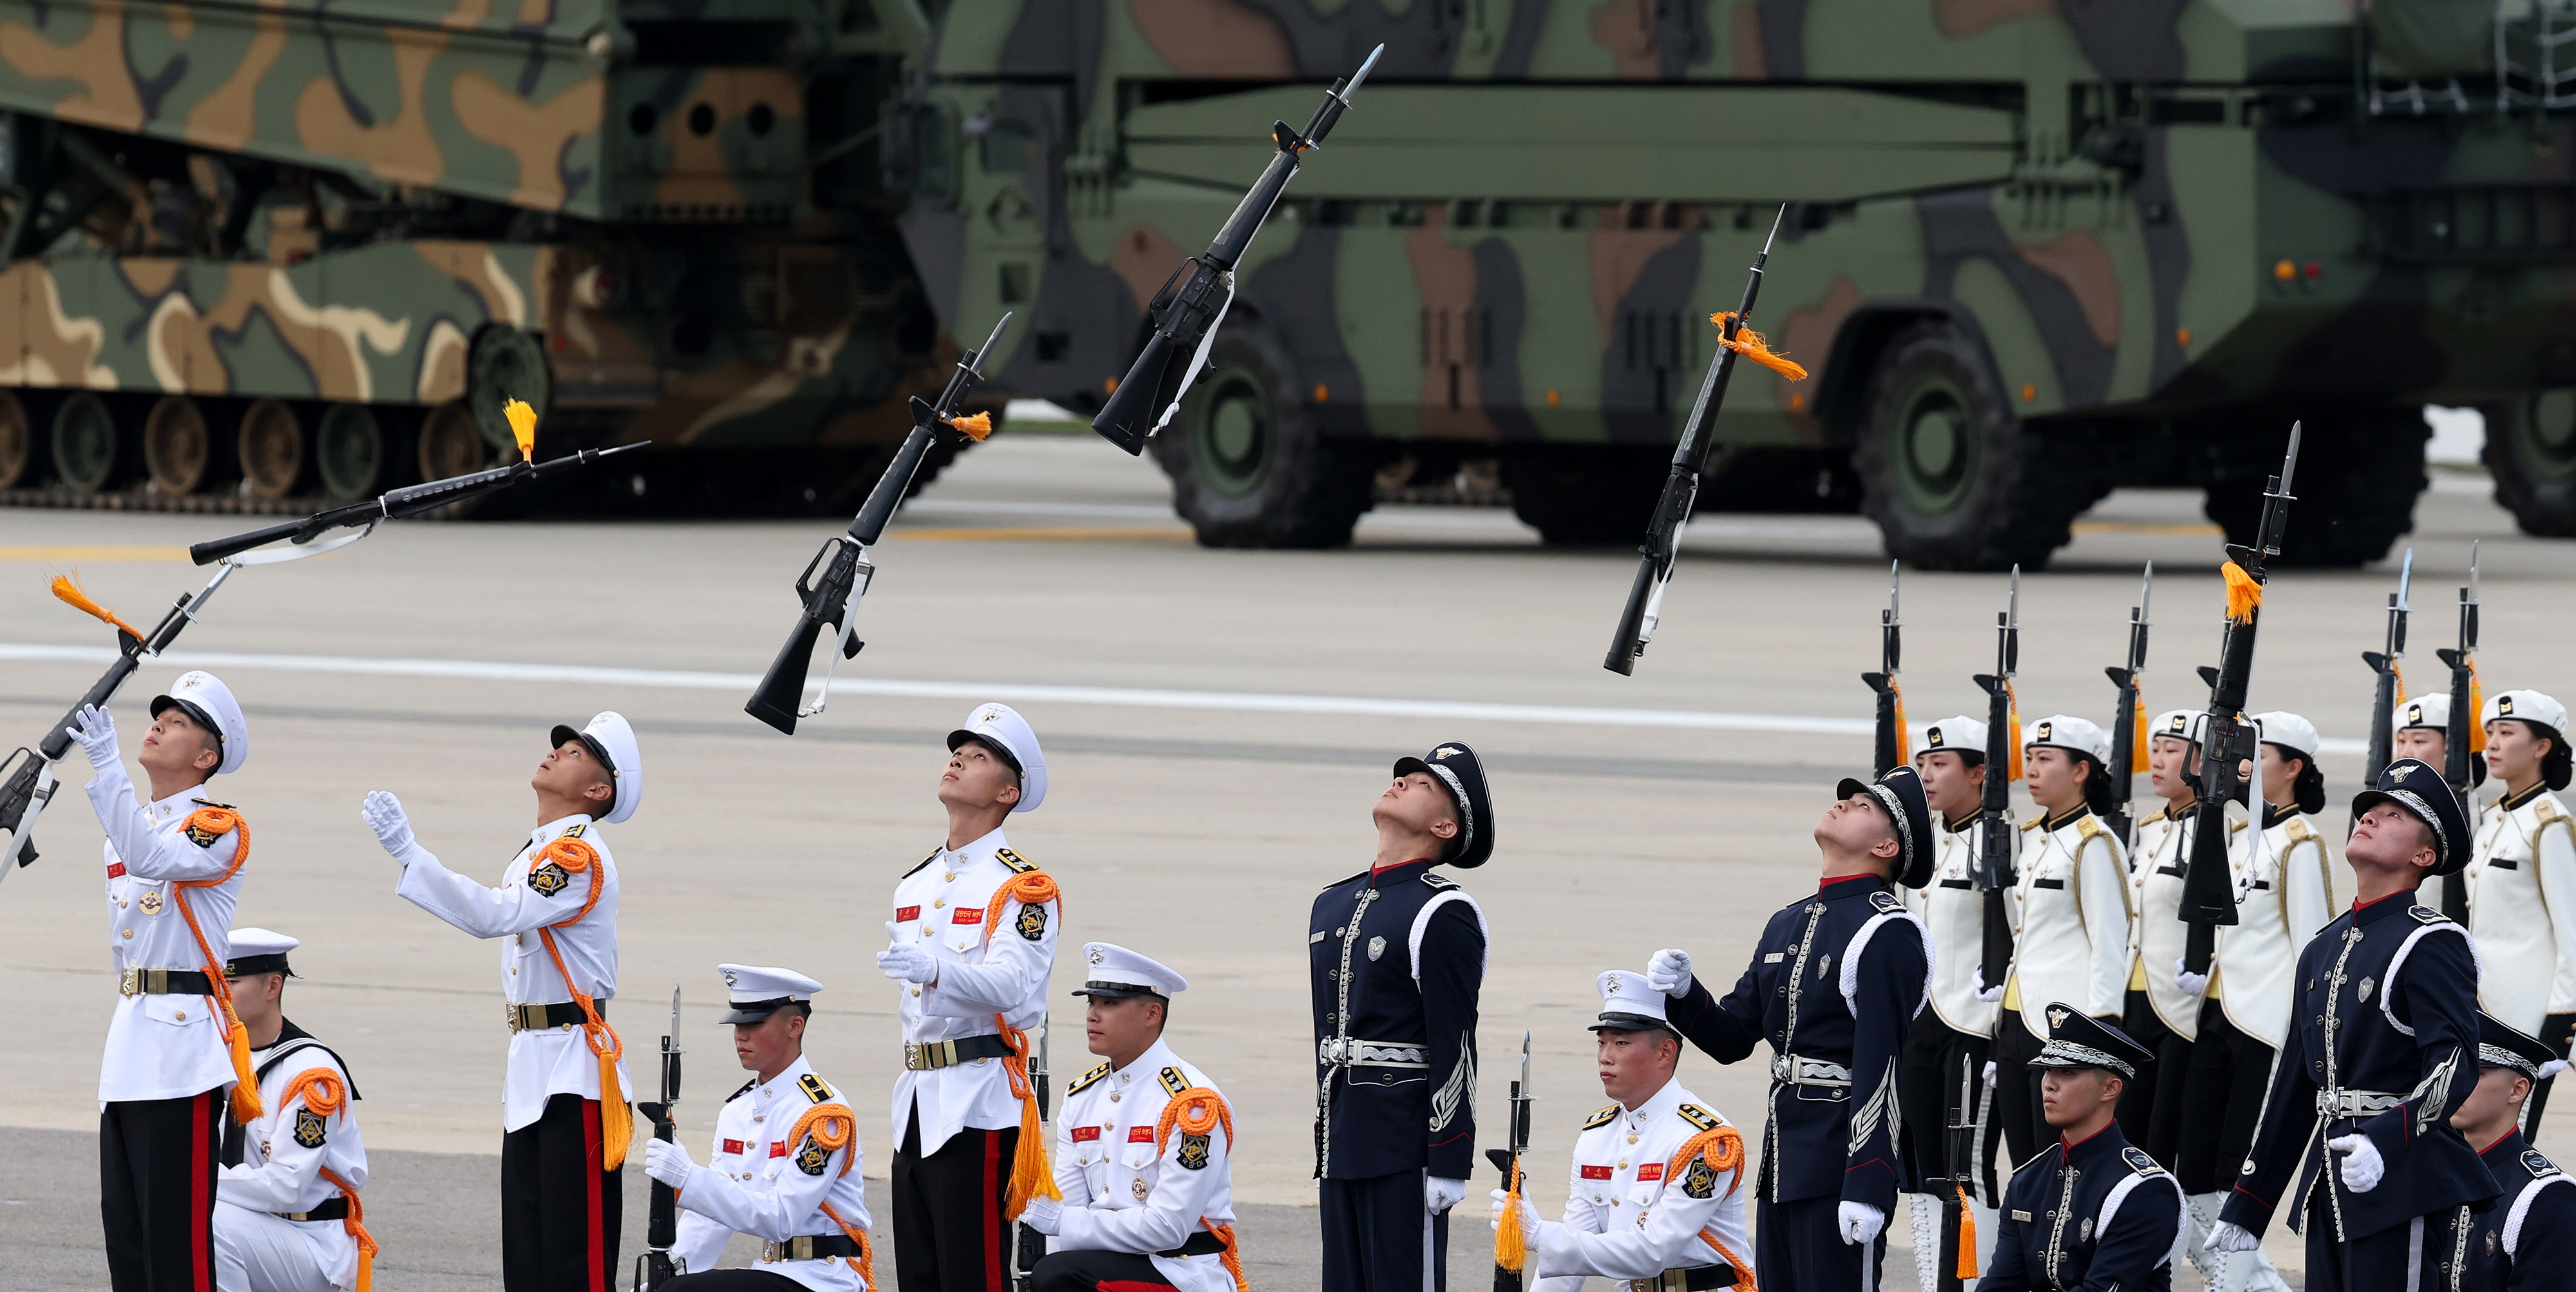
pixel 1096 955
pixel 1933 738
pixel 2504 704
pixel 730 980
pixel 1452 751
pixel 2043 731
pixel 2057 1016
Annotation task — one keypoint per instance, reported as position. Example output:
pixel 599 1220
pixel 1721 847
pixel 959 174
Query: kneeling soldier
pixel 2092 1210
pixel 784 1167
pixel 286 1202
pixel 2527 1240
pixel 1655 1194
pixel 1141 1152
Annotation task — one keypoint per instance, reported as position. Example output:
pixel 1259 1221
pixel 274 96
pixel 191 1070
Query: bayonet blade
pixel 2290 460
pixel 1525 1061
pixel 1895 619
pixel 2146 592
pixel 974 362
pixel 1359 76
pixel 2406 577
pixel 675 1018
pixel 2473 570
pixel 1775 230
pixel 2012 601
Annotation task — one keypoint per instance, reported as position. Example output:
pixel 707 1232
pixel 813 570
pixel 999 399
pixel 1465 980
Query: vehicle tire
pixel 2531 453
pixel 503 364
pixel 2357 481
pixel 1586 495
pixel 1249 467
pixel 273 457
pixel 451 444
pixel 84 443
pixel 348 452
pixel 178 446
pixel 1952 478
pixel 18 455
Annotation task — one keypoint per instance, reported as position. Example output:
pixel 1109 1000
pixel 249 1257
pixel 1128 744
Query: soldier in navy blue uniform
pixel 2091 1210
pixel 1833 987
pixel 2526 1242
pixel 1397 956
pixel 2382 1051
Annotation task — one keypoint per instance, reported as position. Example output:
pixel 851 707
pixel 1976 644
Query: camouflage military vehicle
pixel 2037 249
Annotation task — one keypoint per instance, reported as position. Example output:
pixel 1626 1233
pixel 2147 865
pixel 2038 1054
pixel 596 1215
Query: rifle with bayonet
pixel 2466 736
pixel 2208 885
pixel 831 600
pixel 1994 858
pixel 2389 684
pixel 2129 724
pixel 1690 461
pixel 1508 1161
pixel 1960 1131
pixel 1192 303
pixel 1891 701
pixel 1031 1246
pixel 396 504
pixel 655 1265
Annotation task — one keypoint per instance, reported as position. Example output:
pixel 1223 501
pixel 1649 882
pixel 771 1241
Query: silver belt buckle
pixel 1335 1050
pixel 911 1061
pixel 772 1253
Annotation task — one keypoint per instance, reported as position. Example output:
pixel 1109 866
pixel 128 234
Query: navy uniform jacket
pixel 1396 958
pixel 2387 1013
pixel 2098 1215
pixel 1837 1032
pixel 2526 1242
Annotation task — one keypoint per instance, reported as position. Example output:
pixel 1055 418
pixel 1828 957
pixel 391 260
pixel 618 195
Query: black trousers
pixel 1097 1272
pixel 156 1191
pixel 2230 1073
pixel 2555 1031
pixel 1379 1237
pixel 1798 1247
pixel 2378 1263
pixel 1937 1055
pixel 2151 1108
pixel 559 1210
pixel 2017 1105
pixel 735 1281
pixel 949 1235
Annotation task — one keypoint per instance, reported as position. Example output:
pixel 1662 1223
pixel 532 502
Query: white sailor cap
pixel 210 704
pixel 611 740
pixel 1000 728
pixel 1961 734
pixel 2181 724
pixel 2432 709
pixel 758 991
pixel 1117 972
pixel 2066 731
pixel 2530 706
pixel 258 951
pixel 2289 731
pixel 1629 1005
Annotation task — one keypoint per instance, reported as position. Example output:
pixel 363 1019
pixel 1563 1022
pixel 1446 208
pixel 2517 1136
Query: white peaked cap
pixel 1000 727
pixel 2066 731
pixel 758 991
pixel 1115 971
pixel 211 703
pixel 2290 731
pixel 257 951
pixel 2530 706
pixel 2181 724
pixel 611 740
pixel 1629 1005
pixel 1964 734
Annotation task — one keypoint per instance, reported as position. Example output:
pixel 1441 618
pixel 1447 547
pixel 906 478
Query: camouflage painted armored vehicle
pixel 2038 249
pixel 261 248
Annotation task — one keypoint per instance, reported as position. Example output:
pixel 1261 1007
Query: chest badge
pixel 309 1130
pixel 1141 1190
pixel 2084 1230
pixel 150 902
pixel 2367 986
pixel 549 879
pixel 1824 966
pixel 2491 1242
pixel 1377 947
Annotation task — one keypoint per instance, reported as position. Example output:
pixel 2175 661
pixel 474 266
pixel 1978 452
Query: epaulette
pixel 574 830
pixel 1601 1118
pixel 2035 822
pixel 2234 827
pixel 2539 1166
pixel 1885 902
pixel 2089 826
pixel 1698 1116
pixel 2427 915
pixel 2298 829
pixel 747 1088
pixel 213 804
pixel 1173 1081
pixel 814 1088
pixel 934 856
pixel 2139 1161
pixel 1019 865
pixel 1087 1080
pixel 1436 880
pixel 2545 808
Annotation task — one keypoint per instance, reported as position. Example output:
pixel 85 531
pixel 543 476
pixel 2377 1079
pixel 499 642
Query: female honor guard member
pixel 1951 1039
pixel 1656 1192
pixel 1396 957
pixel 2526 1242
pixel 2071 915
pixel 1833 987
pixel 2093 1211
pixel 969 949
pixel 2382 1051
pixel 2522 880
pixel 564 1119
pixel 1142 1152
pixel 2163 1013
pixel 784 1167
pixel 287 1217
pixel 174 870
pixel 2421 730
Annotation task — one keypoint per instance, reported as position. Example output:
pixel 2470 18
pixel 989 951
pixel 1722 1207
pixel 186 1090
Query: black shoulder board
pixel 2139 1161
pixel 2425 915
pixel 1698 1116
pixel 1885 901
pixel 574 830
pixel 2540 1167
pixel 1174 1082
pixel 1601 1118
pixel 213 804
pixel 1084 1082
pixel 1018 864
pixel 814 1088
pixel 934 856
pixel 1434 879
pixel 747 1088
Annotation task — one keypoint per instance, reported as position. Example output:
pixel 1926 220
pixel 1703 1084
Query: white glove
pixel 2228 1236
pixel 1990 1074
pixel 1045 1215
pixel 2192 983
pixel 1670 972
pixel 2362 1166
pixel 904 962
pixel 1860 1222
pixel 667 1162
pixel 383 814
pixel 1985 993
pixel 96 733
pixel 1439 1195
pixel 1529 1214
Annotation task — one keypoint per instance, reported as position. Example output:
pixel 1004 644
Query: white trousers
pixel 259 1252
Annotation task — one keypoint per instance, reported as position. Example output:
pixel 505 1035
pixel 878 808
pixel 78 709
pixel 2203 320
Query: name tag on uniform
pixel 2021 1217
pixel 1596 1173
pixel 1774 957
pixel 904 913
pixel 733 1146
pixel 2048 883
pixel 778 1148
pixel 2503 863
pixel 116 870
pixel 968 915
pixel 1650 1172
pixel 1085 1134
pixel 2175 871
pixel 1958 883
pixel 1318 937
pixel 1140 1134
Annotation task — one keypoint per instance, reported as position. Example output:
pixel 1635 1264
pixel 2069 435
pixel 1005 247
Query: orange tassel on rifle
pixel 2012 706
pixel 2244 595
pixel 1750 344
pixel 2477 710
pixel 1511 1244
pixel 523 427
pixel 2138 729
pixel 1968 1232
pixel 70 594
pixel 975 428
pixel 1896 696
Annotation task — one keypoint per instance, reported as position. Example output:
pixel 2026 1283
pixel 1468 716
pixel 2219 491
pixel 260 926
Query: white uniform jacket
pixel 942 904
pixel 2155 892
pixel 2070 920
pixel 1954 912
pixel 1122 1193
pixel 161 1046
pixel 755 1182
pixel 1628 1213
pixel 550 1061
pixel 285 1149
pixel 2522 908
pixel 2284 895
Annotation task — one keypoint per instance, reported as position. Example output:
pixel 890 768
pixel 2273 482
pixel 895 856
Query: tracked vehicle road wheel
pixel 2531 452
pixel 85 443
pixel 2358 477
pixel 273 458
pixel 1249 468
pixel 1952 478
pixel 178 446
pixel 349 451
pixel 1586 495
pixel 17 443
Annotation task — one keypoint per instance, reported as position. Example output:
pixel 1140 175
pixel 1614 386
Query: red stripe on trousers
pixel 590 1173
pixel 201 1174
pixel 993 1213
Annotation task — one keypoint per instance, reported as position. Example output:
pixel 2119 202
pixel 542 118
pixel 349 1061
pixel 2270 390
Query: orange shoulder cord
pixel 326 1095
pixel 1750 344
pixel 1030 1175
pixel 216 822
pixel 70 594
pixel 832 1126
pixel 1197 1111
pixel 616 1122
pixel 1722 1147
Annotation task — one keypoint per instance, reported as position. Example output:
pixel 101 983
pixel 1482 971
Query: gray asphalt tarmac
pixel 1217 724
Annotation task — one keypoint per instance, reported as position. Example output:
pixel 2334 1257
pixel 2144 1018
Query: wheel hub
pixel 1231 436
pixel 1937 451
pixel 2548 441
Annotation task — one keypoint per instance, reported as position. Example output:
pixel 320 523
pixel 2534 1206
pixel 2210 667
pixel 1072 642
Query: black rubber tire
pixel 1249 466
pixel 1586 495
pixel 2531 454
pixel 2358 477
pixel 1952 478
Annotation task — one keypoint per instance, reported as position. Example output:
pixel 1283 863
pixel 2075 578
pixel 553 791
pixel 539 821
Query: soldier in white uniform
pixel 174 1050
pixel 2070 914
pixel 2161 1014
pixel 784 1166
pixel 564 1114
pixel 287 1215
pixel 1655 1198
pixel 970 947
pixel 2522 880
pixel 1144 1151
pixel 1957 1032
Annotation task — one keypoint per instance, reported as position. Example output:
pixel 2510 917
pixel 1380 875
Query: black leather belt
pixel 537 1018
pixel 1698 1278
pixel 922 1056
pixel 813 1247
pixel 1201 1243
pixel 335 1209
pixel 164 982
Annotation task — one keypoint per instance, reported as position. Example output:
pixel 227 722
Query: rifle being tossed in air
pixel 2466 737
pixel 1994 858
pixel 655 1265
pixel 2129 725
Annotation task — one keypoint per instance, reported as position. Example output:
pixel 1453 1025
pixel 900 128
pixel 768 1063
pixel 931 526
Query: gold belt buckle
pixel 769 1253
pixel 912 1056
pixel 130 982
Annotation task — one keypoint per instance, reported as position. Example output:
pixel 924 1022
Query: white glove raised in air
pixel 2362 1166
pixel 1859 1222
pixel 96 733
pixel 904 962
pixel 2228 1236
pixel 1440 1194
pixel 1670 972
pixel 1045 1215
pixel 1985 993
pixel 2193 983
pixel 667 1162
pixel 383 814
